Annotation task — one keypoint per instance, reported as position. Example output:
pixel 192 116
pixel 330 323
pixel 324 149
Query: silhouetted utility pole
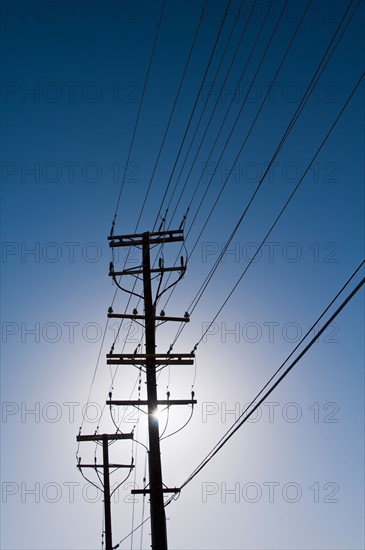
pixel 105 438
pixel 150 361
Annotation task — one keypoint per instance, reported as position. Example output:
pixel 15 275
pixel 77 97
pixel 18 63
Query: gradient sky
pixel 72 81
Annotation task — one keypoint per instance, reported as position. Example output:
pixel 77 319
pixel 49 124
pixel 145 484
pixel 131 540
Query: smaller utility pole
pixel 105 438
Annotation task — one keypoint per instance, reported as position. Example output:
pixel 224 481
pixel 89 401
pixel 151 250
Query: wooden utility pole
pixel 150 360
pixel 158 519
pixel 105 438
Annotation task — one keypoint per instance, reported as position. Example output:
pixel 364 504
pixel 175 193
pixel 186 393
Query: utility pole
pixel 158 519
pixel 105 438
pixel 150 361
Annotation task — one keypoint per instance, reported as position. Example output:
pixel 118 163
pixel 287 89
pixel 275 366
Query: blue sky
pixel 72 82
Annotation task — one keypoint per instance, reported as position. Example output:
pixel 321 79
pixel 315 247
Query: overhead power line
pixel 206 103
pixel 193 110
pixel 220 130
pixel 240 421
pixel 310 88
pixel 172 113
pixel 281 211
pixel 139 109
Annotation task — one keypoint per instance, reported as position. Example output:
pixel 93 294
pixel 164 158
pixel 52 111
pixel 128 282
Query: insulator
pixel 111 267
pixel 168 395
pixel 162 314
pixel 135 312
pixel 110 310
pixel 182 261
pixel 186 315
pixel 110 395
pixel 192 394
pixel 160 263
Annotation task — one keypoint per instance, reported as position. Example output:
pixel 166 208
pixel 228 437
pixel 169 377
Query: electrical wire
pixel 206 102
pixel 194 108
pixel 239 422
pixel 139 109
pixel 217 134
pixel 172 112
pixel 180 429
pixel 283 208
pixel 299 109
pixel 234 125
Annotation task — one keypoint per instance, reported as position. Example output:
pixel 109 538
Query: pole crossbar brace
pixel 108 437
pixel 152 355
pixel 138 239
pixel 143 362
pixel 148 234
pixel 147 491
pixel 139 402
pixel 143 317
pixel 140 271
pixel 129 466
pixel 145 359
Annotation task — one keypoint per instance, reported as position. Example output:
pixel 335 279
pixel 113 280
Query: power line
pixel 226 114
pixel 139 109
pixel 284 207
pixel 238 423
pixel 193 111
pixel 219 132
pixel 172 113
pixel 206 103
pixel 246 138
pixel 297 346
pixel 299 109
pixel 309 90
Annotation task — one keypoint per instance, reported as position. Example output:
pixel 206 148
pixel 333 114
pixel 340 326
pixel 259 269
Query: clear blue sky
pixel 72 81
